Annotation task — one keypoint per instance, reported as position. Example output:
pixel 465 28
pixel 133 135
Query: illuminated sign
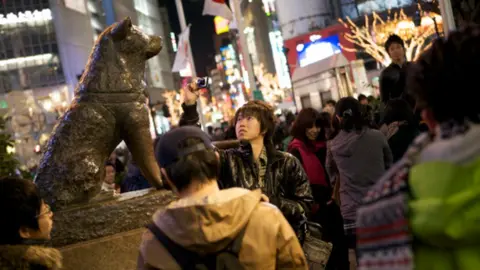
pixel 314 38
pixel 34 18
pixel 173 39
pixel 369 6
pixel 280 59
pixel 230 64
pixel 268 6
pixel 221 25
pixel 318 50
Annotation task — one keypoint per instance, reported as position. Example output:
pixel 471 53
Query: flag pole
pixel 235 5
pixel 183 26
pixel 447 16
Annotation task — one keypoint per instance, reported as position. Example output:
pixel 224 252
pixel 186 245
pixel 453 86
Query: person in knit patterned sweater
pixel 424 212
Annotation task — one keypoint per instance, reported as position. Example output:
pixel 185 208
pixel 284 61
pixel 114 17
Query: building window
pixel 349 8
pixel 325 96
pixel 306 102
pixel 28 46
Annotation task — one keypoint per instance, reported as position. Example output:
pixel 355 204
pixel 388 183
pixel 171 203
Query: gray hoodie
pixel 360 158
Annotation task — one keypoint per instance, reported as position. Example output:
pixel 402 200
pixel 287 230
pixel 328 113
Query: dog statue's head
pixel 117 61
pixel 132 43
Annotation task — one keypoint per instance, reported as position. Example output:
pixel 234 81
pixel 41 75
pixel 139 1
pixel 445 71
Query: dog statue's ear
pixel 121 29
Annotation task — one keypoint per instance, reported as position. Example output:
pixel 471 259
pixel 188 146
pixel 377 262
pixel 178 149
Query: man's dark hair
pixel 336 127
pixel 349 109
pixel 201 165
pixel 398 110
pixel 20 204
pixel 331 102
pixel 264 113
pixel 110 163
pixel 394 39
pixel 324 121
pixel 362 97
pixel 289 118
pixel 210 129
pixel 307 118
pixel 444 78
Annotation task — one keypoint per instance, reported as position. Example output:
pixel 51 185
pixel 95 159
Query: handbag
pixel 316 250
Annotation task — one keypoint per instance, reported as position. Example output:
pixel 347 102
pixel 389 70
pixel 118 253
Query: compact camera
pixel 202 82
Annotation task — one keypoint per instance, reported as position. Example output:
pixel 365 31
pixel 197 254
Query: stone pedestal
pixel 106 235
pixel 119 251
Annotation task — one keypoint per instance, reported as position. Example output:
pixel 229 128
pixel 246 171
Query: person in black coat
pixel 393 78
pixel 399 126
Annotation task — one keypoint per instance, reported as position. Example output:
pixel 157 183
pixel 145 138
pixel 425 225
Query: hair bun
pixel 347 112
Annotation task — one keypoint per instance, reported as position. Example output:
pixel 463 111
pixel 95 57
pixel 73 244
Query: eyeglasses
pixel 45 212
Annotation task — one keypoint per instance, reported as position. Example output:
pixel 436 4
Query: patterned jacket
pixel 424 212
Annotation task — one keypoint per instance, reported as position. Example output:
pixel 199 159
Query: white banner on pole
pixel 182 58
pixel 217 8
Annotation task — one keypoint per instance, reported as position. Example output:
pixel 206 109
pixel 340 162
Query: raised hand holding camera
pixel 191 90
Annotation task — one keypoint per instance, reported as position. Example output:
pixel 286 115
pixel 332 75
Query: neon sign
pixel 221 25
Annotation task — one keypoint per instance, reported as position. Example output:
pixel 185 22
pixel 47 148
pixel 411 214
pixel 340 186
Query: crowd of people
pixel 386 194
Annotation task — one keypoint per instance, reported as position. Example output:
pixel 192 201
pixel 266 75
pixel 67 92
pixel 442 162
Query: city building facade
pixel 324 63
pixel 151 16
pixel 44 46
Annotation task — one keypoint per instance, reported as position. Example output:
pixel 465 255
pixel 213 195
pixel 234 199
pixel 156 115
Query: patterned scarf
pixel 385 241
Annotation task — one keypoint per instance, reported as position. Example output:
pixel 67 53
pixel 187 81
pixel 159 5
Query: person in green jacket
pixel 425 212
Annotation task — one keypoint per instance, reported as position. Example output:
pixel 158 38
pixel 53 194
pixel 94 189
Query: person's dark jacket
pixel 393 82
pixel 399 135
pixel 402 139
pixel 286 183
pixel 230 133
pixel 134 180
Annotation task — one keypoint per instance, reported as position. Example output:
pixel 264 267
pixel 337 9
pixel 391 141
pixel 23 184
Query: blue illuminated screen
pixel 318 50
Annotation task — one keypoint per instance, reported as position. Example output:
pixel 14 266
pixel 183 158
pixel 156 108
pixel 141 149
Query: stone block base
pixel 117 252
pixel 106 235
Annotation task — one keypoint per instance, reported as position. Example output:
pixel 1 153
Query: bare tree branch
pixel 371 36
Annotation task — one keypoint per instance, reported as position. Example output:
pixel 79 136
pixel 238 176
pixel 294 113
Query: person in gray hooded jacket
pixel 360 155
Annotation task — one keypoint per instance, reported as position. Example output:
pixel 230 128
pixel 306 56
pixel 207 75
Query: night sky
pixel 201 32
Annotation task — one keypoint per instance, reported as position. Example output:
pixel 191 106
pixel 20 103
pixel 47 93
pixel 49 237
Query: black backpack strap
pixel 182 256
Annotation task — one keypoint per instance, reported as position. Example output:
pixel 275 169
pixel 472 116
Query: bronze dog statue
pixel 109 106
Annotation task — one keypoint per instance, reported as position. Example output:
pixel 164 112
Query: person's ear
pixel 429 119
pixel 121 29
pixel 25 232
pixel 168 181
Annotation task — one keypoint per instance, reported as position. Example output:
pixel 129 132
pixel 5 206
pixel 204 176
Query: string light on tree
pixel 371 37
pixel 174 104
pixel 269 85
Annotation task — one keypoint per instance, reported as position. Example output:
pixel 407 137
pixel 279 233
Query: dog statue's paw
pixel 104 196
